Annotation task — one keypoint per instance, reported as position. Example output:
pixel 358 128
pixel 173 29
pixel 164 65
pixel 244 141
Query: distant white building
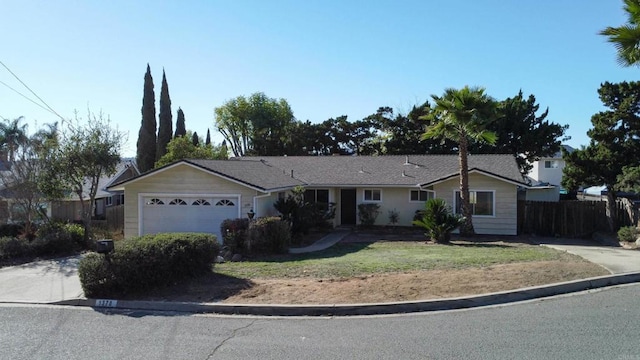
pixel 546 174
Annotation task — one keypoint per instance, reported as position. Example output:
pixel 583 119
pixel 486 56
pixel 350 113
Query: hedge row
pixel 51 239
pixel 145 262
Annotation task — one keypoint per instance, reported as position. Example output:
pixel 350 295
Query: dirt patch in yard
pixel 421 285
pixel 415 285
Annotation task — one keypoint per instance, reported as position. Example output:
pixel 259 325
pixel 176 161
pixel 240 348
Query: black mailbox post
pixel 104 246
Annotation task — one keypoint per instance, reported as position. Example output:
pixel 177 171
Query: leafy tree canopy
pixel 182 147
pixel 256 125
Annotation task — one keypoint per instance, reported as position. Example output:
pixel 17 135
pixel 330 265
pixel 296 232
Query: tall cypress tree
pixel 181 129
pixel 208 140
pixel 195 139
pixel 165 126
pixel 146 146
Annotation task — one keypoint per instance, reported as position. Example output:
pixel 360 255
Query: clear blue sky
pixel 326 58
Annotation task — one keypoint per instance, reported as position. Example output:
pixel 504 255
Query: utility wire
pixel 28 88
pixel 26 97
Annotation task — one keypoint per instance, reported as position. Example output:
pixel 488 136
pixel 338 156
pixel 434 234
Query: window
pixel 225 202
pixel 120 199
pixel 108 201
pixel 316 196
pixel 372 195
pixel 482 203
pixel 155 202
pixel 201 202
pixel 550 164
pixel 177 202
pixel 421 195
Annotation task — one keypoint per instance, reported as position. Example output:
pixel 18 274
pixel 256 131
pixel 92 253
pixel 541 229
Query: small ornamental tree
pixel 76 163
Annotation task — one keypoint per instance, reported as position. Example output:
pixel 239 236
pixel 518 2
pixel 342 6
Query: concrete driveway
pixel 615 259
pixel 41 281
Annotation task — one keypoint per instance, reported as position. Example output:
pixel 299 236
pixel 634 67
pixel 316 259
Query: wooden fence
pixel 571 218
pixel 115 217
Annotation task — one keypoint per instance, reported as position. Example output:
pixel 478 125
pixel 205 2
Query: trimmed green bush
pixel 268 235
pixel 146 262
pixel 628 233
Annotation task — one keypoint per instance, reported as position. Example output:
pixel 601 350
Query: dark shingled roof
pixel 255 173
pixel 268 173
pixel 395 170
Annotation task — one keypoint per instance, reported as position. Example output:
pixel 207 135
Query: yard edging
pixel 496 298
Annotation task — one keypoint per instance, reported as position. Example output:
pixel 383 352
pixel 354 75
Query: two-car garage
pixel 186 212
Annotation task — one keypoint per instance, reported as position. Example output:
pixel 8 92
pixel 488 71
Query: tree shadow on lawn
pixel 337 250
pixel 211 287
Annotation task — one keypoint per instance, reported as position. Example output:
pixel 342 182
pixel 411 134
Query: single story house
pixel 197 195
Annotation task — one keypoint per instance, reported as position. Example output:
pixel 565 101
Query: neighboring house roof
pixel 125 169
pixel 269 173
pixel 388 170
pixel 567 148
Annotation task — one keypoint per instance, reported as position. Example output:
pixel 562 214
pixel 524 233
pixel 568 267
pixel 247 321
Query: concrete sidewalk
pixel 324 243
pixel 41 281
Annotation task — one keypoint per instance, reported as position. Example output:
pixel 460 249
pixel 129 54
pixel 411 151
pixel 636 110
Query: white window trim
pixel 493 197
pixel 371 201
pixel 420 201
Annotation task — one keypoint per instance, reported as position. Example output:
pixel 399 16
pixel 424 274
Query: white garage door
pixel 187 213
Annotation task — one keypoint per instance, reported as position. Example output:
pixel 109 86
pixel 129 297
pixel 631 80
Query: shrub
pixel 268 235
pixel 12 247
pixel 438 220
pixel 394 217
pixel 628 233
pixel 60 237
pixel 149 261
pixel 367 213
pixel 234 233
pixel 11 230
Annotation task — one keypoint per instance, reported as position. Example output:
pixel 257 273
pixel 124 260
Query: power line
pixel 24 96
pixel 28 88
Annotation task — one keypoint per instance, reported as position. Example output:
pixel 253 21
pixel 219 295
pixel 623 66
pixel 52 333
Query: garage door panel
pixel 187 214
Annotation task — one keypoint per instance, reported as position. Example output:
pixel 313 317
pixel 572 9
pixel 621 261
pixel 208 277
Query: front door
pixel 348 206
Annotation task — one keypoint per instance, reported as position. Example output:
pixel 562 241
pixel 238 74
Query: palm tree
pixel 626 38
pixel 461 116
pixel 12 135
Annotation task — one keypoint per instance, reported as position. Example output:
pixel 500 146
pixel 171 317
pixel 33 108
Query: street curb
pixel 363 309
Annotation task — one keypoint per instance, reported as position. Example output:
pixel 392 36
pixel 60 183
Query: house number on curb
pixel 106 303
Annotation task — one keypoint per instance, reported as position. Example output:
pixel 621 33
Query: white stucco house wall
pixel 546 177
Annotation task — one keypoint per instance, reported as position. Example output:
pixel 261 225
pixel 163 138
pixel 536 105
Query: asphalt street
pixel 598 324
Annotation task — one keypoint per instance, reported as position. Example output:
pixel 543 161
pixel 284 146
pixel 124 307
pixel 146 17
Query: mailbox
pixel 104 246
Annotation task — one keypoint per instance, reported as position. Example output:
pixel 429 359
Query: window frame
pixel 420 191
pixel 553 164
pixel 315 195
pixel 108 201
pixel 493 202
pixel 372 199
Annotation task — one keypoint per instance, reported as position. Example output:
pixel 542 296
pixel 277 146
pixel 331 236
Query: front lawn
pixel 359 259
